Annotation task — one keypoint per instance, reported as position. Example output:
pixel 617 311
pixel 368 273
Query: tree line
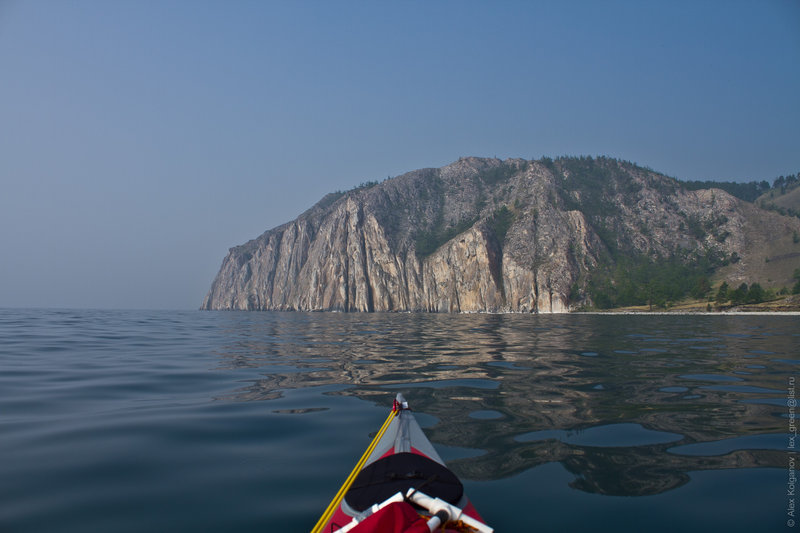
pixel 658 284
pixel 748 191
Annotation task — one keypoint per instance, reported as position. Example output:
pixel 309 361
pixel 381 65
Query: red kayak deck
pixel 401 485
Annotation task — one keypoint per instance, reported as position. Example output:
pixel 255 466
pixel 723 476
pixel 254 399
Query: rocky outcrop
pixel 479 235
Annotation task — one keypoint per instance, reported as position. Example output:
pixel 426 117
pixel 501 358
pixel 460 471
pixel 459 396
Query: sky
pixel 141 139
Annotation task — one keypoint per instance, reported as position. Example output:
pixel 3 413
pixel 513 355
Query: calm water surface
pixel 204 421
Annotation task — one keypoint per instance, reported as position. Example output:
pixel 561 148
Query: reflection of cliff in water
pixel 704 378
pixel 637 471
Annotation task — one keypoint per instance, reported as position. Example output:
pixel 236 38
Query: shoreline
pixel 704 313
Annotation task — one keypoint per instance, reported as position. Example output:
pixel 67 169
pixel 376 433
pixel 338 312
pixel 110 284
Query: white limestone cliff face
pixel 361 250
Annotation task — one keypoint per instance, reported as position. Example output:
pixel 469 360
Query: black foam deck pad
pixel 399 472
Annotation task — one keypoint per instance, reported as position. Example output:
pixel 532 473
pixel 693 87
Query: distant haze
pixel 140 140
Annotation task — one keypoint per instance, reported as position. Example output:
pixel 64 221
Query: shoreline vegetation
pixel 687 289
pixel 784 304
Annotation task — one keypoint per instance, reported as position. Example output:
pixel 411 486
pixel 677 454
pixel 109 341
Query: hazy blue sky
pixel 140 139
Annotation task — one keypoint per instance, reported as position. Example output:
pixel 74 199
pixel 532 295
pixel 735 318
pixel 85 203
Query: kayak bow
pixel 400 485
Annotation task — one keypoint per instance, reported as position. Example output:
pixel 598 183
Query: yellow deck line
pixel 349 481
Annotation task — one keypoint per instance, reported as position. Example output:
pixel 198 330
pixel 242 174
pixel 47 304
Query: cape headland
pixel 491 235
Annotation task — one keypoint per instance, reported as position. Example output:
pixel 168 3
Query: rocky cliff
pixel 485 235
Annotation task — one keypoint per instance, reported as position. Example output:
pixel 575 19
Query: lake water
pixel 212 421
